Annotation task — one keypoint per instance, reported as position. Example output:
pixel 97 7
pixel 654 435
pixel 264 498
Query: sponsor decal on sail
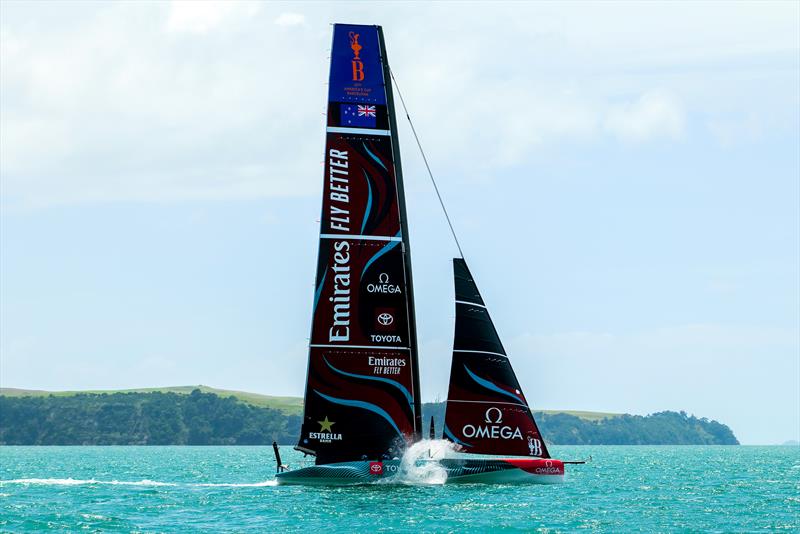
pixel 358 65
pixel 493 427
pixel 385 338
pixel 385 322
pixel 326 433
pixel 384 318
pixel 535 446
pixel 386 366
pixel 339 190
pixel 356 69
pixel 384 285
pixel 340 330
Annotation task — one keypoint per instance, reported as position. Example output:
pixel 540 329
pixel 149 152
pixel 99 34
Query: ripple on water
pixel 233 489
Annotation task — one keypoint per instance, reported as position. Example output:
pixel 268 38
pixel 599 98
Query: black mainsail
pixel 486 410
pixel 362 398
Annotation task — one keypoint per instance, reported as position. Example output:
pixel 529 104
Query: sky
pixel 624 179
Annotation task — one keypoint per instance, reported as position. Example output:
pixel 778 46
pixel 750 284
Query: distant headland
pixel 201 415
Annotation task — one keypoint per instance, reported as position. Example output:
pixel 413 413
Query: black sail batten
pixel 362 389
pixel 486 412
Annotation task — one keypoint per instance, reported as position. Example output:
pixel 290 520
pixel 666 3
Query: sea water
pixel 232 489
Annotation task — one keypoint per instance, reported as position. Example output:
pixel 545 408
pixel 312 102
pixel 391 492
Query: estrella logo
pixel 358 66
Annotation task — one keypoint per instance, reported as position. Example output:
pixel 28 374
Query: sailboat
pixel 362 406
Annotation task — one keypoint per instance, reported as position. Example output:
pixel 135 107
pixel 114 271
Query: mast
pixel 387 77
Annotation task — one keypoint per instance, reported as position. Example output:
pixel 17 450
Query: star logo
pixel 325 425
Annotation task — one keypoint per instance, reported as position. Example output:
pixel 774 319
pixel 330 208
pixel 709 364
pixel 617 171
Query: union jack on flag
pixel 358 115
pixel 366 111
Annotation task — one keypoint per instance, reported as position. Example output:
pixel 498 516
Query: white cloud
pixel 290 19
pixel 105 104
pixel 117 108
pixel 654 114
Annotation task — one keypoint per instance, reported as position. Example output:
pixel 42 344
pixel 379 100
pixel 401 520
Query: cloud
pixel 103 104
pixel 116 108
pixel 653 114
pixel 290 19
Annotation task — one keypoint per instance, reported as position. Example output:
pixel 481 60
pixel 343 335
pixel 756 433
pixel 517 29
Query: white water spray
pixel 420 463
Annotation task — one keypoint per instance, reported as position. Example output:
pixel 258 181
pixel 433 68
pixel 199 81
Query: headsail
pixel 362 394
pixel 486 410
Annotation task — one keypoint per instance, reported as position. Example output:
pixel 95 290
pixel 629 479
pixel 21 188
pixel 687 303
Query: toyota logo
pixel 385 319
pixel 376 468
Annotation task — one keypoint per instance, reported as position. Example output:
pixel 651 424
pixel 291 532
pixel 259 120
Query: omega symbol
pixel 489 417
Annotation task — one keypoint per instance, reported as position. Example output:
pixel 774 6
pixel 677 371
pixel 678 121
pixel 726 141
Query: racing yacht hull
pixel 459 471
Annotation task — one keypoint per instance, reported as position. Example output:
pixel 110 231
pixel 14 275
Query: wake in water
pixel 418 466
pixel 145 482
pixel 79 482
pixel 420 463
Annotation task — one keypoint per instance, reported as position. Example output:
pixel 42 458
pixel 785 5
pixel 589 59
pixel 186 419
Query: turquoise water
pixel 154 489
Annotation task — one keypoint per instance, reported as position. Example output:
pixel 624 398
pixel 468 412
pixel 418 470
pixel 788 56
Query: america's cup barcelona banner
pixel 359 397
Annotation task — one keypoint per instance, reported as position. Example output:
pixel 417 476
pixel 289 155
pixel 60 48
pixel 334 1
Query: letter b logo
pixel 358 71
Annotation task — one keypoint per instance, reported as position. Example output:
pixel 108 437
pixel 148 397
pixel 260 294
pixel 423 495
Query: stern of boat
pixel 338 474
pixel 504 471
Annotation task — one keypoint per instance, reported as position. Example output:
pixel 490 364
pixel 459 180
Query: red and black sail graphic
pixel 362 392
pixel 486 410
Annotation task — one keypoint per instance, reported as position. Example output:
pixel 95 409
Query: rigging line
pixel 425 159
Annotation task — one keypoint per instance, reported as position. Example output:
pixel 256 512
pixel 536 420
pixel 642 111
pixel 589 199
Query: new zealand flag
pixel 358 115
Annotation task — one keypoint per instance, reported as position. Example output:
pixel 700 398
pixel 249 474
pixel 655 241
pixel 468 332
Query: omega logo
pixel 493 427
pixel 383 285
pixel 488 418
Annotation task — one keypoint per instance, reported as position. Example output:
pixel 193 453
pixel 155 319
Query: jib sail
pixel 486 410
pixel 362 392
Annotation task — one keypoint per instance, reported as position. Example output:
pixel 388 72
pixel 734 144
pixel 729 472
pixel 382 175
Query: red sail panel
pixel 487 413
pixel 360 399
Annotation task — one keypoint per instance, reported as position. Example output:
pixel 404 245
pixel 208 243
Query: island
pixel 200 415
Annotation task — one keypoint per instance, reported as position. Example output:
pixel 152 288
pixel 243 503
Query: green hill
pixel 288 405
pixel 206 416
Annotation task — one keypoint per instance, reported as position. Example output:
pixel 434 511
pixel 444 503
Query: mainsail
pixel 486 410
pixel 362 397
